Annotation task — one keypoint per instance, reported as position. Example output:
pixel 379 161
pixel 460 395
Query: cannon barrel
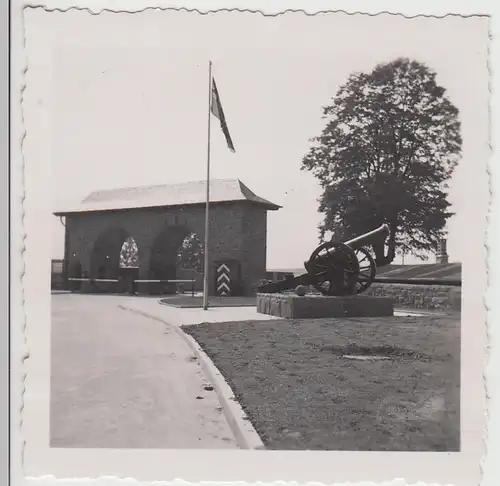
pixel 356 243
pixel 369 238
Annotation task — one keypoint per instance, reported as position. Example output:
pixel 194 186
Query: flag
pixel 218 112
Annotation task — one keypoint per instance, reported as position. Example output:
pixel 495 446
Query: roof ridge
pixel 169 194
pixel 200 181
pixel 87 198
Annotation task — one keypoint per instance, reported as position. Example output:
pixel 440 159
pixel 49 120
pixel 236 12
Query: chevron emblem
pixel 222 267
pixel 223 289
pixel 222 277
pixel 223 280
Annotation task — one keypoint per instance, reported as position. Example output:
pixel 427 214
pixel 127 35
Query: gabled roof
pixel 222 190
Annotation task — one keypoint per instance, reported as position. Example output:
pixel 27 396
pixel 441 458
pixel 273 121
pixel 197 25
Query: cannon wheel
pixel 367 269
pixel 334 269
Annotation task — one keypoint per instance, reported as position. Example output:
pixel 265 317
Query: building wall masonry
pixel 237 231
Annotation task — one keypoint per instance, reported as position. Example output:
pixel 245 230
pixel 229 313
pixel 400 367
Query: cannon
pixel 337 268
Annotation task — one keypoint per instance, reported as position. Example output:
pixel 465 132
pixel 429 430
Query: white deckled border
pixel 19 350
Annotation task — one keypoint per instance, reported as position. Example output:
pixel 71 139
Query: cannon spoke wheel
pixel 334 269
pixel 367 269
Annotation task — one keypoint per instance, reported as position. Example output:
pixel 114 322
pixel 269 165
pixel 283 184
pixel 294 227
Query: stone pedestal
pixel 292 306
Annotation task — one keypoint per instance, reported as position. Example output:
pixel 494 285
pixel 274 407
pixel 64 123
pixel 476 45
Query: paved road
pixel 122 380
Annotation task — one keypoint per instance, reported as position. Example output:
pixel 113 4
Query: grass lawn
pixel 301 392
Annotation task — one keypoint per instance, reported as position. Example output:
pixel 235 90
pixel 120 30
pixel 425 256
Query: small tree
pixel 129 254
pixel 191 254
pixel 391 142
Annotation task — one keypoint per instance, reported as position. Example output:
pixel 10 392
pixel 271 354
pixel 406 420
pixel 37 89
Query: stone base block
pixel 292 306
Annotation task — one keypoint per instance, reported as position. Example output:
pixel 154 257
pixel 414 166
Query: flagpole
pixel 207 203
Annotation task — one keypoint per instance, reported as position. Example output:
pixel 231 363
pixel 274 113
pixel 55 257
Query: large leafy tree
pixel 390 144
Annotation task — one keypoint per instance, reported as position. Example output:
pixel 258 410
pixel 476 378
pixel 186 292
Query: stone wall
pixel 439 297
pixel 291 306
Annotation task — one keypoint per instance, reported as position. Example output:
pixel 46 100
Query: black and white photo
pixel 254 235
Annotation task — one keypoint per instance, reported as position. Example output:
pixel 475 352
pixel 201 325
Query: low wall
pixel 440 297
pixel 291 306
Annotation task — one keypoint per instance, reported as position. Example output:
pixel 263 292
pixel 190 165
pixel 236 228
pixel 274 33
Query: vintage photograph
pixel 264 232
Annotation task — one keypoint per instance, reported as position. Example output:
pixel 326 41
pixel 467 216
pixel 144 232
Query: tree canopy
pixel 129 254
pixel 390 144
pixel 191 253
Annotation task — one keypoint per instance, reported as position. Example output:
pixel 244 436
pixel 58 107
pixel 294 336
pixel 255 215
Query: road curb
pixel 241 426
pixel 245 433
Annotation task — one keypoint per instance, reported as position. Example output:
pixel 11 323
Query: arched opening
pixel 115 260
pixel 190 255
pixel 190 261
pixel 177 254
pixel 129 254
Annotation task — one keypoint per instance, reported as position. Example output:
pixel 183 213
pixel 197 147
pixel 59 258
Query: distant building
pixel 442 254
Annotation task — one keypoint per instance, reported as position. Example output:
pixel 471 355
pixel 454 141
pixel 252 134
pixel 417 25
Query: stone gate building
pixel 159 218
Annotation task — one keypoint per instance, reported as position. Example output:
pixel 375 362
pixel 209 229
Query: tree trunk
pixel 382 258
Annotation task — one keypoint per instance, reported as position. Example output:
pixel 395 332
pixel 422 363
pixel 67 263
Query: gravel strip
pixel 300 392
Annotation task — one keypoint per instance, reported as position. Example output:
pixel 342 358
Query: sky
pixel 129 104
